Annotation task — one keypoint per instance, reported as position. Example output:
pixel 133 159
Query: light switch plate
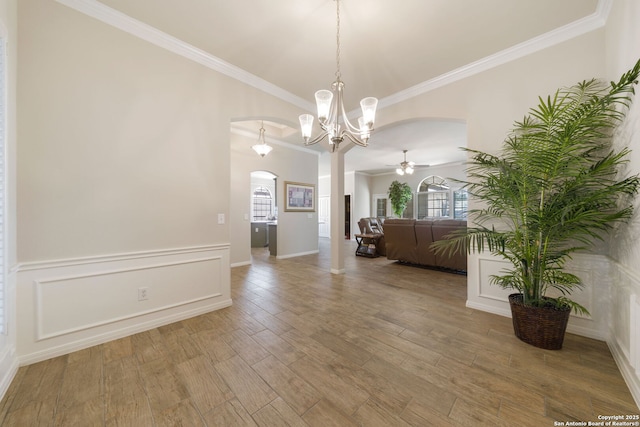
pixel 220 218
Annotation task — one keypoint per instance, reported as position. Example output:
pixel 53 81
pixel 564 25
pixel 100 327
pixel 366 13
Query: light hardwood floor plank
pixel 383 344
pixel 292 389
pixel 248 387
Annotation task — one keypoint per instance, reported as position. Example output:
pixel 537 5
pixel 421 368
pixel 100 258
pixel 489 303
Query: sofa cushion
pixel 424 239
pixel 370 226
pixel 440 228
pixel 400 239
pixel 410 241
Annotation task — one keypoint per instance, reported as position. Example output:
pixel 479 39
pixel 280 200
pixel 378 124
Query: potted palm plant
pixel 555 188
pixel 399 194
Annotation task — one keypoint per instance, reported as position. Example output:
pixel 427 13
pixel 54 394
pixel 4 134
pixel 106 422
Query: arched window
pixel 408 211
pixel 262 204
pixel 433 198
pixel 460 204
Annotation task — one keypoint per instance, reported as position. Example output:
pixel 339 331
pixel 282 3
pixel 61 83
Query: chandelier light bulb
pixel 323 102
pixel 261 147
pixel 306 124
pixel 369 106
pixel 332 115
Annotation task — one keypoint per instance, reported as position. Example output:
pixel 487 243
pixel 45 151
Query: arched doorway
pixel 264 210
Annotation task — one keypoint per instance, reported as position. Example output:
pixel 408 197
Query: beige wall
pixel 8 31
pixel 623 50
pixel 124 166
pixel 623 302
pixel 124 146
pixel 297 231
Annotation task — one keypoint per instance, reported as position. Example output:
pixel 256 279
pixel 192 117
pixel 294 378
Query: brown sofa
pixel 374 226
pixel 409 240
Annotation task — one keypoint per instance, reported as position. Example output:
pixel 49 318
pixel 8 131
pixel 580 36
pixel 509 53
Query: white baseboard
pixel 586 332
pixel 609 294
pixel 578 330
pixel 8 369
pixel 489 308
pixel 297 254
pixel 67 305
pixel 628 372
pixel 141 326
pixel 240 264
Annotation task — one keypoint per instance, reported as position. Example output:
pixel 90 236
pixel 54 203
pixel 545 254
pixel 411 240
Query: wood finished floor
pixel 382 345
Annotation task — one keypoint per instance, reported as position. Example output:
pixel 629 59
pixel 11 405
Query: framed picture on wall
pixel 299 197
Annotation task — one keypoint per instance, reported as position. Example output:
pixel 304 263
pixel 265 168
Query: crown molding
pixel 121 21
pixel 109 16
pixel 254 135
pixel 577 28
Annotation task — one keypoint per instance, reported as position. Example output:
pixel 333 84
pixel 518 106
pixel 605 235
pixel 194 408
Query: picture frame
pixel 299 197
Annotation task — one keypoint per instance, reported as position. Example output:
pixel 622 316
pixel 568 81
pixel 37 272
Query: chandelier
pixel 405 167
pixel 332 115
pixel 261 147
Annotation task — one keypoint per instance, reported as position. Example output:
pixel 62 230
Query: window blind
pixel 3 115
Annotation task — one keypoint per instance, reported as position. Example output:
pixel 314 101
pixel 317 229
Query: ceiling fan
pixel 406 167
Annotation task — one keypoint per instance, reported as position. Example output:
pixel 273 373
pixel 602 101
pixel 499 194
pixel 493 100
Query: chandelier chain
pixel 331 112
pixel 338 39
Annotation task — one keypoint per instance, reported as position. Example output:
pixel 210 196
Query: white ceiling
pixel 387 47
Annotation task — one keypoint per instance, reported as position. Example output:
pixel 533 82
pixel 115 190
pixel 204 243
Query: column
pixel 337 212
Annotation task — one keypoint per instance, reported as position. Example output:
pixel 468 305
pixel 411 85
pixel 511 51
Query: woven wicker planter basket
pixel 543 327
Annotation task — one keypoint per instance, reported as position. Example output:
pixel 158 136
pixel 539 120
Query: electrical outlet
pixel 143 294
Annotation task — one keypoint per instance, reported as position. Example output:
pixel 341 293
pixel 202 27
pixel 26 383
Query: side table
pixel 367 245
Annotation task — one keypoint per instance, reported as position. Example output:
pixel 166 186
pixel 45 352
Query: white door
pixel 324 216
pixel 380 205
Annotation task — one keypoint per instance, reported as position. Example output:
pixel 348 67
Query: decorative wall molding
pixel 254 135
pixel 45 328
pixel 593 269
pixel 611 294
pixel 624 324
pixel 119 20
pixel 154 253
pixel 8 368
pixel 142 325
pixel 70 304
pixel 577 28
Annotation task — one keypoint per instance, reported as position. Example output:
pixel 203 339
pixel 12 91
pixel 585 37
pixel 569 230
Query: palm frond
pixel 552 190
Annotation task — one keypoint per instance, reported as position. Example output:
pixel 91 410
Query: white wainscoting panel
pixel 8 357
pixel 8 365
pixel 594 270
pixel 492 295
pixel 71 304
pixel 624 339
pixel 611 294
pixel 634 336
